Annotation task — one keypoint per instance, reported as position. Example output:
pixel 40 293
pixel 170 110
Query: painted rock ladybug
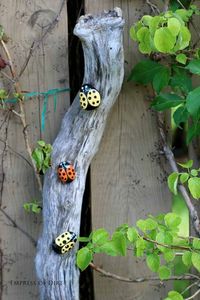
pixel 64 242
pixel 66 172
pixel 89 97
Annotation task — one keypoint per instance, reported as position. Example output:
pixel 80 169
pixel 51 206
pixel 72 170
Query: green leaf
pixel 161 79
pixel 194 172
pixel 181 58
pixel 196 260
pixel 150 224
pixel 132 234
pixel 109 248
pixel 165 101
pixel 1 32
pixel 144 37
pixel 184 177
pixel 194 66
pixel 123 228
pixel 184 14
pixel 133 33
pixel 84 257
pixel 187 258
pixel 164 238
pixel 169 255
pixel 141 224
pixel 186 165
pixel 153 24
pixel 32 207
pixel 174 26
pixel 144 71
pixel 164 40
pixel 173 295
pixel 153 262
pixel 27 207
pixel 192 132
pixel 119 241
pixel 180 115
pixel 173 182
pixel 172 220
pixel 193 102
pixel 184 38
pixel 194 187
pixel 100 236
pixel 41 143
pixel 140 247
pixel 146 20
pixel 38 157
pixel 164 272
pixel 181 79
pixel 196 243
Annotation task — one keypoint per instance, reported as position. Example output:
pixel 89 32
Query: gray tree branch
pixel 78 141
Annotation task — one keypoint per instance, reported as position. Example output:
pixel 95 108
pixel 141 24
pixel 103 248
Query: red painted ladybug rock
pixel 66 172
pixel 89 97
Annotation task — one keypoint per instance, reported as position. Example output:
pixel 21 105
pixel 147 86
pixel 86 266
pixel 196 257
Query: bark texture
pixel 77 142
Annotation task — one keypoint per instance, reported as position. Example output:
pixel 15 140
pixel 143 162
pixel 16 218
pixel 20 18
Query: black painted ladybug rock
pixel 64 242
pixel 89 97
pixel 66 172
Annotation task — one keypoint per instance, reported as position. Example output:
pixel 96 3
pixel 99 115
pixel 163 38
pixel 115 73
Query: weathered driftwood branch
pixel 78 141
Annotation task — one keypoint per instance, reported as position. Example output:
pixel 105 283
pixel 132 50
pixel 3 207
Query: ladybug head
pixel 86 87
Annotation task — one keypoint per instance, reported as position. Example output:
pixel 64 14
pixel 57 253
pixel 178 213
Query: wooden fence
pixel 128 178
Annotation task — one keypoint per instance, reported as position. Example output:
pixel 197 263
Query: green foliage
pixel 1 32
pixel 190 178
pixel 42 156
pixel 173 295
pixel 3 97
pixel 156 238
pixel 166 33
pixel 166 38
pixel 34 207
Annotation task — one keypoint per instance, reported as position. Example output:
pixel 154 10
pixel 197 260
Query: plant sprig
pixel 166 39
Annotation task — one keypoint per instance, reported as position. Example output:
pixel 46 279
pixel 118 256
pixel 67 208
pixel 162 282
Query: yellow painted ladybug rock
pixel 64 242
pixel 66 172
pixel 89 97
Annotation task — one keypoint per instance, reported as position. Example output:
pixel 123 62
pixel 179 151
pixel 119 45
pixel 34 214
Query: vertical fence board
pixel 24 22
pixel 128 178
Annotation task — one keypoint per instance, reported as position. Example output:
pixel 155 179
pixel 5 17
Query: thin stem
pixel 170 157
pixel 194 295
pixel 167 246
pixel 153 7
pixel 190 286
pixel 139 279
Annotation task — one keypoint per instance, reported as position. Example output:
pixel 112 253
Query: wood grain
pixel 128 176
pixel 24 22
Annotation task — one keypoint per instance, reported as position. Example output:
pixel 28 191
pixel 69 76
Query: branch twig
pixel 153 7
pixel 15 225
pixel 35 44
pixel 194 295
pixel 166 5
pixel 170 157
pixel 21 115
pixel 140 279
